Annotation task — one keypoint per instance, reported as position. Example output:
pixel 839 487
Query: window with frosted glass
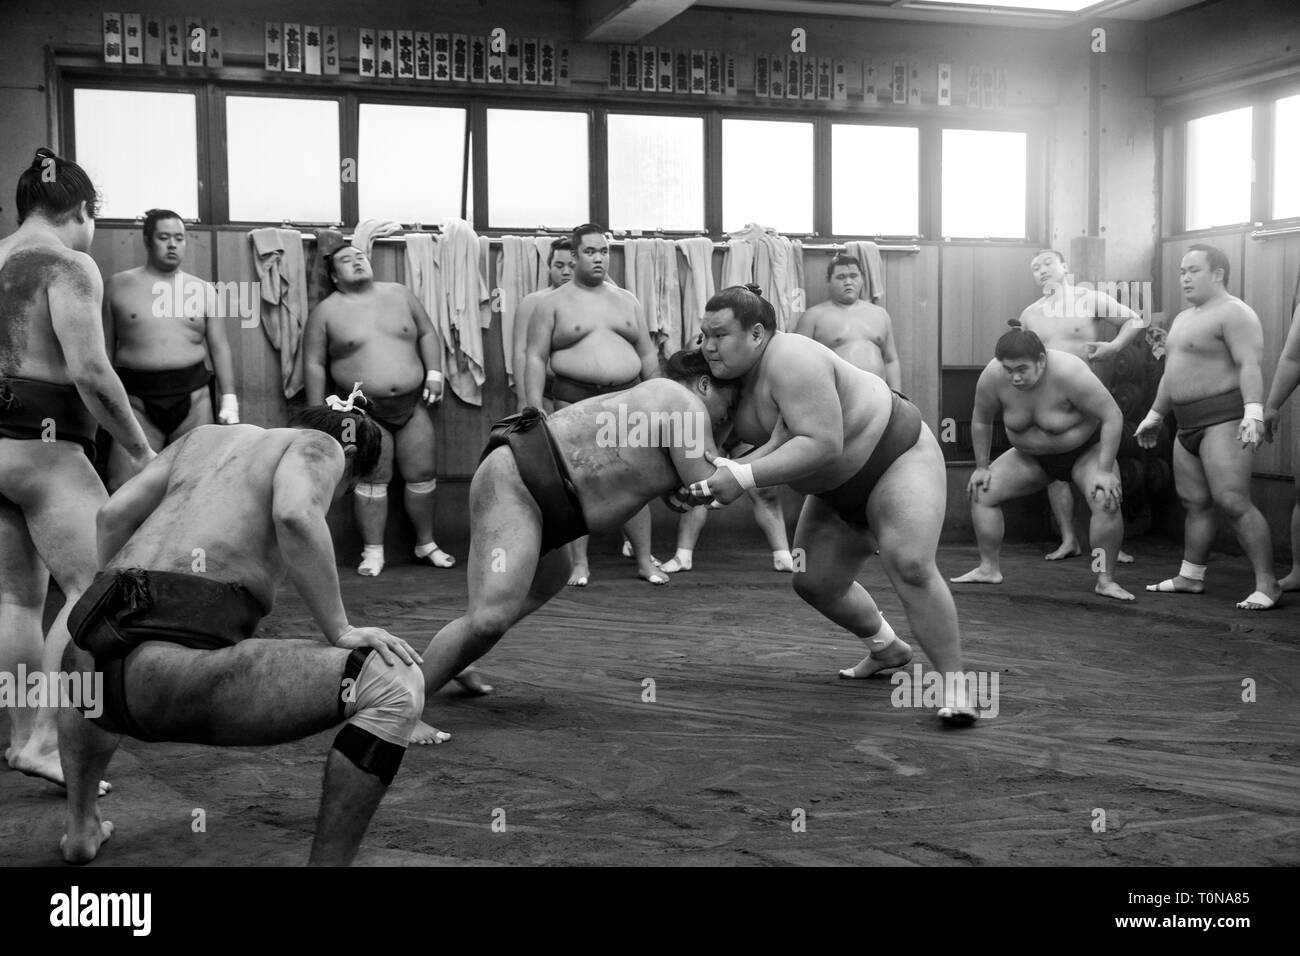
pixel 537 169
pixel 1218 170
pixel 140 149
pixel 283 159
pixel 984 184
pixel 767 175
pixel 410 162
pixel 656 172
pixel 1286 158
pixel 875 180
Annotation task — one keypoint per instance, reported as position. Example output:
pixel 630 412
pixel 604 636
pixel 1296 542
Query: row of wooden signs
pixel 173 41
pixel 459 58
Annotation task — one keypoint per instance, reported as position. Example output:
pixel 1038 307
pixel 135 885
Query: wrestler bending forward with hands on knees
pixel 872 471
pixel 545 481
pixel 176 646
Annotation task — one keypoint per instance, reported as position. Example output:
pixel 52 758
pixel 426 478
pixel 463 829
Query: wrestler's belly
pixel 160 356
pixel 1034 440
pixel 382 368
pixel 1191 377
pixel 862 354
pixel 601 357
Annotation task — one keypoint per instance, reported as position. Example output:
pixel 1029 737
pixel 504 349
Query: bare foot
pixel 1112 590
pixel 472 681
pixel 83 846
pixel 46 766
pixel 957 710
pixel 579 576
pixel 897 654
pixel 1291 582
pixel 675 564
pixel 1124 557
pixel 650 572
pixel 1178 585
pixel 1070 550
pixel 424 734
pixel 980 575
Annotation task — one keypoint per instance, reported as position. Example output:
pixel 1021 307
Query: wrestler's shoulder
pixel 55 260
pixel 1235 308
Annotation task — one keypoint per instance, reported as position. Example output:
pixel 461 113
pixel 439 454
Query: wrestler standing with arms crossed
pixel 872 471
pixel 594 337
pixel 56 383
pixel 161 325
pixel 1214 383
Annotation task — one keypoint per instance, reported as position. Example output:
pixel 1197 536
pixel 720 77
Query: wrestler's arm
pixel 889 352
pixel 802 384
pixel 429 344
pixel 314 354
pixel 219 349
pixel 519 347
pixel 1130 323
pixel 1089 396
pixel 1244 337
pixel 110 323
pixel 75 295
pixel 122 514
pixel 982 415
pixel 1287 376
pixel 645 349
pixel 538 352
pixel 301 492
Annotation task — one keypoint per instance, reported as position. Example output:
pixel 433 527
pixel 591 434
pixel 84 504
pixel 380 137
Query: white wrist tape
pixel 744 474
pixel 1153 418
pixel 433 375
pixel 1255 410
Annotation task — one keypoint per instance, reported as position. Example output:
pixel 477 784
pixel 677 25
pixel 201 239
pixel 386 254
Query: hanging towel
pixel 540 253
pixel 367 231
pixel 669 296
pixel 696 284
pixel 516 277
pixel 282 275
pixel 459 302
pixel 873 284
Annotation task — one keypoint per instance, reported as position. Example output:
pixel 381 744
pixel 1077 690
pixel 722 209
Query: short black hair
pixel 563 244
pixel 689 364
pixel 1019 343
pixel 586 229
pixel 55 186
pixel 842 259
pixel 747 304
pixel 1215 257
pixel 365 436
pixel 155 216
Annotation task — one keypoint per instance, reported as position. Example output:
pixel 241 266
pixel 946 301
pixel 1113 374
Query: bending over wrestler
pixel 176 648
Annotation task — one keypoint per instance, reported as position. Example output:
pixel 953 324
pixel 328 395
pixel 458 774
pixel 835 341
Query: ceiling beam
pixel 625 21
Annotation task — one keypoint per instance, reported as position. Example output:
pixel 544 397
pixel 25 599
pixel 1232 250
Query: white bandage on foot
pixel 372 560
pixel 374 492
pixel 1193 572
pixel 882 638
pixel 782 561
pixel 422 487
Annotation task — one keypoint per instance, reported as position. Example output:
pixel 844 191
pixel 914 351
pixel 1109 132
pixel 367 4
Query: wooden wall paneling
pixel 1270 281
pixel 912 301
pixel 257 364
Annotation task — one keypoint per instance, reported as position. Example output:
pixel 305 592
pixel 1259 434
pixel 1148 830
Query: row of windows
pixel 1220 166
pixel 283 163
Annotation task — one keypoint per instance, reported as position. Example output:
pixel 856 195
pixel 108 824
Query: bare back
pixel 29 267
pixel 217 509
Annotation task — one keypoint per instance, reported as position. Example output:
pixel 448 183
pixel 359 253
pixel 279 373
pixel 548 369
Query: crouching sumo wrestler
pixel 193 549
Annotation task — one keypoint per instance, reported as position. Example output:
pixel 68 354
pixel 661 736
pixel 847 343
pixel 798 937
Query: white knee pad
pixel 366 489
pixel 387 701
pixel 422 487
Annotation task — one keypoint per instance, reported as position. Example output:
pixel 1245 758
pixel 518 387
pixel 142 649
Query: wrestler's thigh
pixel 505 536
pixel 906 509
pixel 23 576
pixel 257 692
pixel 1227 464
pixel 1189 476
pixel 1015 475
pixel 415 449
pixel 1086 470
pixel 59 501
pixel 833 551
pixel 200 413
pixel 383 470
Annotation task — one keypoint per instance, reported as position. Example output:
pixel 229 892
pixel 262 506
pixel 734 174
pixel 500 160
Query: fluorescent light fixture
pixel 1053 6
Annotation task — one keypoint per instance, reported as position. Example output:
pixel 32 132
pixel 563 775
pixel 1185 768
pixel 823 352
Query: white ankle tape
pixel 1193 572
pixel 366 489
pixel 883 637
pixel 422 487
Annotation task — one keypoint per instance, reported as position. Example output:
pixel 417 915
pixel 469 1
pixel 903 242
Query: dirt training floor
pixel 753 752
